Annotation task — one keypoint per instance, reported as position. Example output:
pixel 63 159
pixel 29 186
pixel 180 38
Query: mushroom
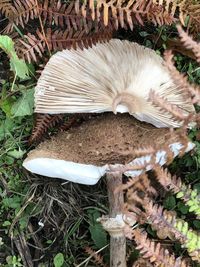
pixel 99 146
pixel 85 153
pixel 115 76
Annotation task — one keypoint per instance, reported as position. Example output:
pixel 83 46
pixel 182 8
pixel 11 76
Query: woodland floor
pixel 46 222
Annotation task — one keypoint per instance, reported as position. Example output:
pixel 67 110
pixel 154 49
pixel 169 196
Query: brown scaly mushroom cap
pixel 116 76
pixel 84 154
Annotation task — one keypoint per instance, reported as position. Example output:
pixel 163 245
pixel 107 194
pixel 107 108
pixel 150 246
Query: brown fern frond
pixel 180 79
pixel 143 151
pixel 160 219
pixel 64 16
pixel 193 11
pixel 159 16
pixel 142 263
pixel 73 120
pixel 189 196
pixel 22 11
pixel 42 123
pixel 6 7
pixel 32 46
pixel 189 43
pixel 164 232
pixel 132 182
pixel 195 256
pixel 165 105
pixel 128 167
pixel 163 219
pixel 59 40
pixel 123 13
pixel 98 259
pixel 177 144
pixel 172 7
pixel 35 45
pixel 139 184
pixel 154 252
pixel 176 46
pixel 168 181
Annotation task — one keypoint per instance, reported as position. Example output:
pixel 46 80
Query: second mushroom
pixel 101 146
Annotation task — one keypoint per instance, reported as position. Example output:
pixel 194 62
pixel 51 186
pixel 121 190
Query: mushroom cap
pixel 116 76
pixel 83 154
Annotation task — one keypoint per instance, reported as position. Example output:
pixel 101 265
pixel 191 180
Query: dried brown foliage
pixel 53 24
pixel 50 25
pixel 97 258
pixel 191 90
pixel 142 207
pixel 34 45
pixel 51 11
pixel 192 9
pixel 189 43
pixel 42 123
pixel 124 13
pixel 128 13
pixel 163 221
pixel 63 15
pixel 6 7
pixel 168 181
pixel 174 184
pixel 181 80
pixel 161 102
pixel 142 263
pixel 138 184
pixel 154 252
pixel 20 13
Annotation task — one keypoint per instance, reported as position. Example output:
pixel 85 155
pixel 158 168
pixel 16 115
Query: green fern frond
pixel 160 218
pixel 174 184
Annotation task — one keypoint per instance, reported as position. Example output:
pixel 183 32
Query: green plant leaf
pixel 98 235
pixel 24 105
pixel 17 65
pixel 7 44
pixel 182 208
pixel 58 260
pixel 97 232
pixel 17 154
pixel 6 127
pixel 170 202
pixel 12 202
pixel 196 224
pixel 151 231
pixel 197 187
pixel 180 194
pixel 6 105
pixel 23 222
pixel 6 223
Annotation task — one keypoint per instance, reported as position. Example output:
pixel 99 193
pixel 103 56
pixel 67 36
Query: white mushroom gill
pixel 114 73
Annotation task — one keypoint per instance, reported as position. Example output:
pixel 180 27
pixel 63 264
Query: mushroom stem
pixel 117 237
